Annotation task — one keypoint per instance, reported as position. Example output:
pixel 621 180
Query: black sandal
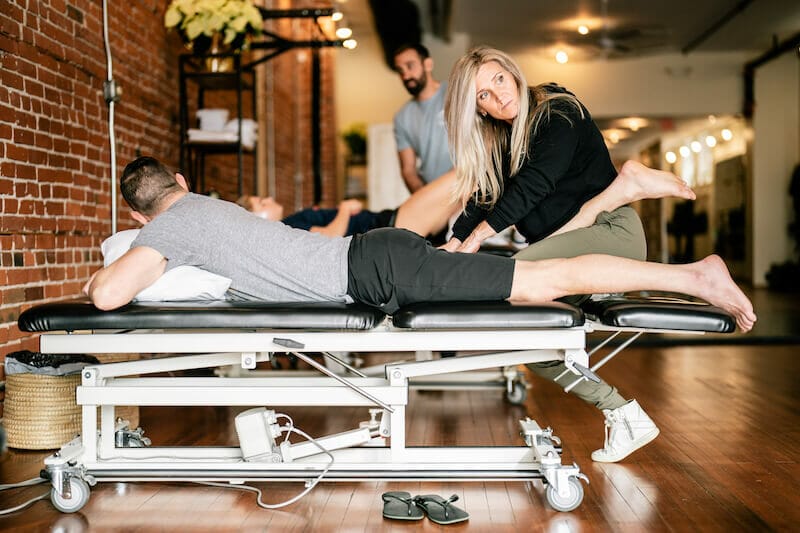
pixel 401 506
pixel 439 510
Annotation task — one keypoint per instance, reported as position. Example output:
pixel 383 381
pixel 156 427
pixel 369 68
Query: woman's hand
pixel 451 245
pixel 473 243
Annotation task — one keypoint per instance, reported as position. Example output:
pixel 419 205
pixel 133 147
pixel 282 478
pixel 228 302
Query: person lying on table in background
pixel 426 212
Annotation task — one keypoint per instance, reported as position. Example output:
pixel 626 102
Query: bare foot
pixel 640 182
pixel 718 288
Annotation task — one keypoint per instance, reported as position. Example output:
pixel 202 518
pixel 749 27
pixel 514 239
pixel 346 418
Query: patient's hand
pixel 351 206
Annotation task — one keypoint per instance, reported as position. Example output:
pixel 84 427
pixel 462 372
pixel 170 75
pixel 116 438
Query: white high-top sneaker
pixel 628 428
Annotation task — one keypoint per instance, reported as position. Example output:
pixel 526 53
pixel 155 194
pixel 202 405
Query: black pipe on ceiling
pixel 711 30
pixel 750 67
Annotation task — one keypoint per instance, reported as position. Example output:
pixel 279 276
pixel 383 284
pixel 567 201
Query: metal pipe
pixel 110 100
pixel 711 30
pixel 316 130
pixel 751 66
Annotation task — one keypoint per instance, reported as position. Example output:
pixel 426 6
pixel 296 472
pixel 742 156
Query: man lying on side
pixel 386 268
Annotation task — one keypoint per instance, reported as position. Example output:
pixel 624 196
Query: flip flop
pixel 439 510
pixel 401 506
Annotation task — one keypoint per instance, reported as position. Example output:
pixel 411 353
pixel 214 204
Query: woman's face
pixel 496 92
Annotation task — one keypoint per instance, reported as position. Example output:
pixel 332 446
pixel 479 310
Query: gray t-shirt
pixel 266 260
pixel 420 126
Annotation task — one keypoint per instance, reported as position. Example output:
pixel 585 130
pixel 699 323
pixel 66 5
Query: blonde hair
pixel 478 143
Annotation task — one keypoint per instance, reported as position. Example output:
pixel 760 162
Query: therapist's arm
pixel 117 284
pixel 408 169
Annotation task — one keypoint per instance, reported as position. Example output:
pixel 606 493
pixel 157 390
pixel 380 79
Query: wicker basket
pixel 40 412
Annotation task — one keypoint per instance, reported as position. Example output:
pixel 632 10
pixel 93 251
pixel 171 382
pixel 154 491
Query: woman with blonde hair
pixel 533 158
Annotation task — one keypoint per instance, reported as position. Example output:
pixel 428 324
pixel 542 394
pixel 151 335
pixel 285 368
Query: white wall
pixel 776 151
pixel 368 91
pixel 665 85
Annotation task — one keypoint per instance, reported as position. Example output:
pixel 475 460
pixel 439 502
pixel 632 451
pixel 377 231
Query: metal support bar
pixel 281 45
pixel 344 382
pixel 296 13
pixel 343 363
pixel 604 360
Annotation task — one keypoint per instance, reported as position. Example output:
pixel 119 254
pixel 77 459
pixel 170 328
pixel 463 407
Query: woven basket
pixel 40 412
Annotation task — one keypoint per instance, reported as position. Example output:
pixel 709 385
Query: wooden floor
pixel 726 459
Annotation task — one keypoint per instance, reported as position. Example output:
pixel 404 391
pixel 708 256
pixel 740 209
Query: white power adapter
pixel 257 429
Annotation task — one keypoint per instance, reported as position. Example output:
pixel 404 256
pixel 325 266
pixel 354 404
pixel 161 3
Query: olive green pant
pixel 618 233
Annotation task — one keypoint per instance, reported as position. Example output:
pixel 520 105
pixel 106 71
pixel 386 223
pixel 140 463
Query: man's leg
pixel 709 280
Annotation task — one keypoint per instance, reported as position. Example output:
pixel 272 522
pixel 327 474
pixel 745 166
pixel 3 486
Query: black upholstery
pixel 494 315
pixel 77 315
pixel 616 312
pixel 655 313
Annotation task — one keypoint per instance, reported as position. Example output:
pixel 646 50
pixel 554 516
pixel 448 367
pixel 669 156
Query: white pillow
pixel 181 283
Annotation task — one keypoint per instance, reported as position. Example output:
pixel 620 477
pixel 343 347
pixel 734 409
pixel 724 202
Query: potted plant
pixel 214 26
pixel 355 137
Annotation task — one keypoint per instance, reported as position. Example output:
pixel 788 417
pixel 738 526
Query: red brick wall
pixel 54 148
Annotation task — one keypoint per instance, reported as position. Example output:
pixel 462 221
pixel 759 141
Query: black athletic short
pixel 390 268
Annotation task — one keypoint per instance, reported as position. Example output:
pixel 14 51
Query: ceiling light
pixel 583 29
pixel 613 137
pixel 636 123
pixel 711 141
pixel 350 44
pixel 685 152
pixel 561 57
pixel 696 147
pixel 670 157
pixel 337 16
pixel 726 134
pixel 344 33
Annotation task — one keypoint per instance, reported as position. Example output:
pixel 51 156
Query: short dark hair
pixel 145 182
pixel 418 48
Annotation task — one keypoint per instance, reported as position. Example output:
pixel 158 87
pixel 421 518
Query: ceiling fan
pixel 614 41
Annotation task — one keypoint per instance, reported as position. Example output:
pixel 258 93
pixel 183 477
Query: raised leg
pixel 427 211
pixel 633 183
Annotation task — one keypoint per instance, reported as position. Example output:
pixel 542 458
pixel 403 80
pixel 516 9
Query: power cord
pixel 289 429
pixel 26 483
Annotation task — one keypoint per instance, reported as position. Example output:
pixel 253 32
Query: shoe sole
pixel 641 442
